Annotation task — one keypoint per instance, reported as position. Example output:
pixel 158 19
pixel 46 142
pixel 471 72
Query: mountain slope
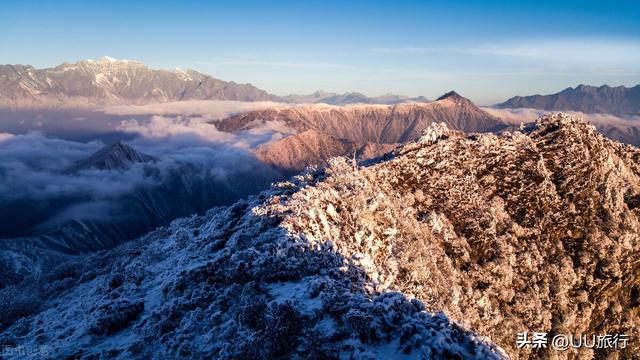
pixel 379 124
pixel 232 284
pixel 117 155
pixel 619 101
pixel 37 235
pixel 110 81
pixel 534 232
pixel 312 148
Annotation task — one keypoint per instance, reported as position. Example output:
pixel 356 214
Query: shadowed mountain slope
pixel 619 101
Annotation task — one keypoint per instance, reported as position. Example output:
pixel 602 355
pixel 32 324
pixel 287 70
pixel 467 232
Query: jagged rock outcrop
pixel 232 284
pixel 536 231
pixel 619 101
pixel 111 81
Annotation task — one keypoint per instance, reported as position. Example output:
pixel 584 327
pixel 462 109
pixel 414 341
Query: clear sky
pixel 487 50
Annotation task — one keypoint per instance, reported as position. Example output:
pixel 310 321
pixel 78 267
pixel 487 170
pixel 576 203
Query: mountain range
pixel 108 81
pixel 319 132
pixel 321 97
pixel 345 226
pixel 363 131
pixel 111 81
pixel 619 101
pixel 445 250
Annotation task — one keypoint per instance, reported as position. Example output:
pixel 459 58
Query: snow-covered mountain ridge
pixel 108 81
pixel 533 231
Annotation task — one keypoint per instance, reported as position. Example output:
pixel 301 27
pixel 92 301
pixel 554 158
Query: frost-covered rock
pixel 232 284
pixel 444 251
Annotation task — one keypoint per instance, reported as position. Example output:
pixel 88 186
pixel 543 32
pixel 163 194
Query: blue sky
pixel 487 51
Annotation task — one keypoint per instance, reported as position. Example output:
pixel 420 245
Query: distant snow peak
pixel 109 59
pixel 110 81
pixel 183 74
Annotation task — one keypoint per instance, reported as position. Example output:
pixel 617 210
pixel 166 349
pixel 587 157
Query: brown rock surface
pixel 373 123
pixel 534 232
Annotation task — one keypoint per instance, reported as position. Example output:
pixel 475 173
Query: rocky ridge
pixel 382 124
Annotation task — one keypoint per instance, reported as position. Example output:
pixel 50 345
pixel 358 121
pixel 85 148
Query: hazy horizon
pixel 487 52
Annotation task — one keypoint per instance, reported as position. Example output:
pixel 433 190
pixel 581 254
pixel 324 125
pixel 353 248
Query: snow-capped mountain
pixel 619 101
pixel 446 250
pixel 111 81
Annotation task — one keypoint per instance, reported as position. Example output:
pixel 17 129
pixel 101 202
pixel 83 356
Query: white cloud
pixel 159 127
pixel 5 136
pixel 561 51
pixel 280 64
pixel 211 109
pixel 526 115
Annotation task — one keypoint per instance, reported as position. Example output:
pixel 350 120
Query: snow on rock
pixel 233 284
pixel 447 250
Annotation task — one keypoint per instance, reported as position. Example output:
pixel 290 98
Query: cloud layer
pixel 35 169
pixel 208 109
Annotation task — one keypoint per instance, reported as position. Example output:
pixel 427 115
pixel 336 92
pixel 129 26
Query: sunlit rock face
pixel 532 232
pixel 387 124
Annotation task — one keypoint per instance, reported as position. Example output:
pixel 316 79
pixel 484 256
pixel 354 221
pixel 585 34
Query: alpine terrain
pixel 36 235
pixel 361 131
pixel 447 249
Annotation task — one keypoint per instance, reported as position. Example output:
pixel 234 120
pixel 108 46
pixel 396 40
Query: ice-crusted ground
pixel 412 257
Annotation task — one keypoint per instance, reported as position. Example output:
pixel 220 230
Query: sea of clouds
pixel 35 166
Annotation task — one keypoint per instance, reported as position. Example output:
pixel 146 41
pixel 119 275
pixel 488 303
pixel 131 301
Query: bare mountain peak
pixel 452 95
pixel 374 123
pixel 116 155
